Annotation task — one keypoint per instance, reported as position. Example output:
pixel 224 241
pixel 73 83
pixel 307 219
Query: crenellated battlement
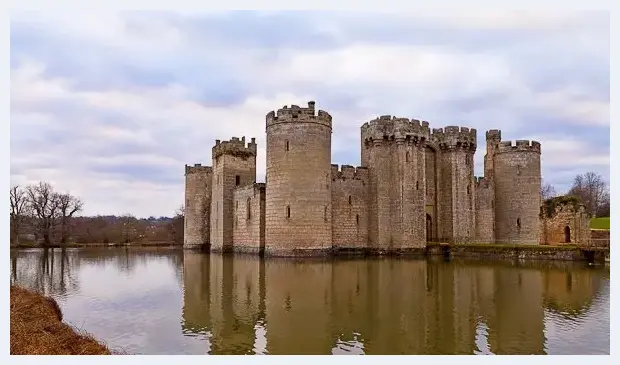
pixel 348 172
pixel 390 128
pixel 493 135
pixel 519 146
pixel 297 114
pixel 453 137
pixel 255 187
pixel 197 168
pixel 235 147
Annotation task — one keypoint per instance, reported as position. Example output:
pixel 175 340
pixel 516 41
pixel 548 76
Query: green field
pixel 599 223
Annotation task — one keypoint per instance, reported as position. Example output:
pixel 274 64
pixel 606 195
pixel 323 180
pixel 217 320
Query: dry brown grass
pixel 37 328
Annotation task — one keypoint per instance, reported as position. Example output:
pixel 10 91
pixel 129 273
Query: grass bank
pixel 599 223
pixel 37 328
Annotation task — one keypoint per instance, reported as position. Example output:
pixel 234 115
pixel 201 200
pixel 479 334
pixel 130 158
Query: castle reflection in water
pixel 245 305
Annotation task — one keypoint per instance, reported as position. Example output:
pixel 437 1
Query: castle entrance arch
pixel 567 234
pixel 429 228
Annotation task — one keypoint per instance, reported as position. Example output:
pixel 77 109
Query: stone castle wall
pixel 485 211
pixel 349 207
pixel 298 192
pixel 234 165
pixel 517 178
pixel 457 147
pixel 415 185
pixel 567 224
pixel 249 218
pixel 394 153
pixel 197 206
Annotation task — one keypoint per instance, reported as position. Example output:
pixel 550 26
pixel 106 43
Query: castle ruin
pixel 415 185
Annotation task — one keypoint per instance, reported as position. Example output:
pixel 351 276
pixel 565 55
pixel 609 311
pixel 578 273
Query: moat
pixel 166 301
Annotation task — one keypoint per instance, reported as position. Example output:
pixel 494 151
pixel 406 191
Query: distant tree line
pixel 39 214
pixel 591 190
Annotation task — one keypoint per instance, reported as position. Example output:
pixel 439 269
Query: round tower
pixel 298 193
pixel 393 150
pixel 517 178
pixel 197 206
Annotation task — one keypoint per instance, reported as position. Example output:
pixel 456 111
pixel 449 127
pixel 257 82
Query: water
pixel 164 301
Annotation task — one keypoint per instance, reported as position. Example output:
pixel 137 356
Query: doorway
pixel 567 234
pixel 429 228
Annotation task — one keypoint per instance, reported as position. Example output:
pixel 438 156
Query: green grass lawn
pixel 599 223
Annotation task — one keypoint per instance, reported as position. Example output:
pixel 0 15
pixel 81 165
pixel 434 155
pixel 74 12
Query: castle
pixel 415 185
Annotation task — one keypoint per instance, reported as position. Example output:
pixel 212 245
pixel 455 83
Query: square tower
pixel 234 165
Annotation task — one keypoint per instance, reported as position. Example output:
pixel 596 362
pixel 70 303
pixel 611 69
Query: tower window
pixel 288 211
pixel 325 214
pixel 237 180
pixel 349 199
pixel 417 185
pixel 467 160
pixel 248 210
pixel 468 189
pixel 287 146
pixel 357 219
pixel 519 225
pixel 407 156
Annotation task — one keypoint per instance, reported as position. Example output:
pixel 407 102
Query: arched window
pixel 248 210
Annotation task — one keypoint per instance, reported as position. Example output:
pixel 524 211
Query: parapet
pixel 197 168
pixel 519 146
pixel 494 135
pixel 452 137
pixel 254 188
pixel 297 114
pixel 390 128
pixel 234 147
pixel 348 172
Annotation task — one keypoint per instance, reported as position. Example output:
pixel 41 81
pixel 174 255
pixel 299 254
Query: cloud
pixel 110 107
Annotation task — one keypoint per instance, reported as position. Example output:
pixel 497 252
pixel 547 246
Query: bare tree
pixel 68 205
pixel 176 226
pixel 44 204
pixel 547 191
pixel 592 190
pixel 19 211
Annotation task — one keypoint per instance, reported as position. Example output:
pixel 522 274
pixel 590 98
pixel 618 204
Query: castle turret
pixel 234 165
pixel 493 138
pixel 393 151
pixel 456 162
pixel 517 179
pixel 197 206
pixel 298 192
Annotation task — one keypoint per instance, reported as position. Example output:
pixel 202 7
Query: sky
pixel 111 106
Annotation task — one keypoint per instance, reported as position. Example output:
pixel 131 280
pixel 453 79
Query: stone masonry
pixel 415 185
pixel 566 224
pixel 234 165
pixel 197 206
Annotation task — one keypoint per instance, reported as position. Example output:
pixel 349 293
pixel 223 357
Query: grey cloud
pixel 222 64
